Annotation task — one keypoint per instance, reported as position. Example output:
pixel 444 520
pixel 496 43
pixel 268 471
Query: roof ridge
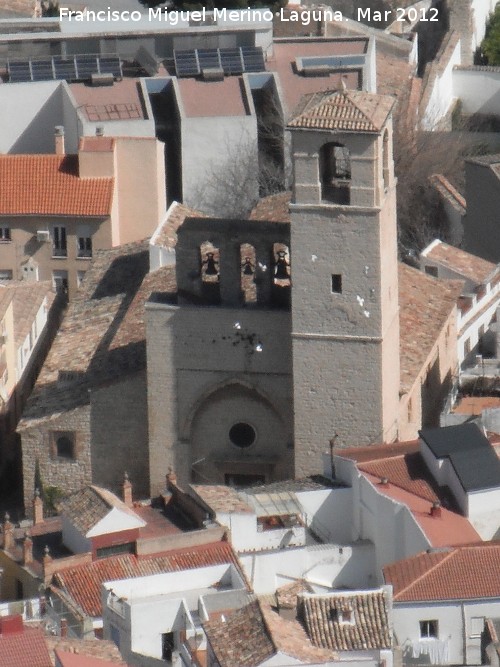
pixel 266 625
pixel 426 573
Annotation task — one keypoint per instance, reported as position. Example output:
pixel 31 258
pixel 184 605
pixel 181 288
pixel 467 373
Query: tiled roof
pixel 449 192
pixel 24 649
pixel 469 266
pixel 440 531
pixel 249 643
pixel 26 300
pixel 83 583
pixel 221 498
pixel 274 208
pixel 464 573
pixel 425 304
pixel 166 235
pixel 69 659
pixel 85 508
pixel 348 110
pixel 369 621
pixel 286 596
pixel 50 185
pixel 257 633
pixel 92 648
pixel 102 336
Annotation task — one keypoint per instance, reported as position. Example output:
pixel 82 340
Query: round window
pixel 242 435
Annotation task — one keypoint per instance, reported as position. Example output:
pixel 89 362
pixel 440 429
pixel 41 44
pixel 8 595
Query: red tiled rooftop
pixel 441 531
pixel 83 583
pixel 465 573
pixel 219 98
pixel 68 659
pixel 469 266
pixel 50 185
pixel 24 649
pixel 474 405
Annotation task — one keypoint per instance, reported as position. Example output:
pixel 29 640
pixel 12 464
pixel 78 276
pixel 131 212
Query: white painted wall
pixel 481 9
pixel 115 521
pixel 442 95
pixel 73 539
pixel 246 536
pixel 478 90
pixel 328 512
pixel 450 617
pixel 326 566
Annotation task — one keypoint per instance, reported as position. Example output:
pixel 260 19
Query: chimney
pixel 384 481
pixel 436 509
pixel 11 624
pixel 8 533
pixel 171 478
pixel 127 491
pixel 64 627
pixel 37 508
pixel 99 131
pixel 59 140
pixel 27 550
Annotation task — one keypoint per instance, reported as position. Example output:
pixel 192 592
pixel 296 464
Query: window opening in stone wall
pixel 59 243
pixel 5 234
pixel 281 271
pixel 63 444
pixel 335 173
pixel 210 272
pixel 242 435
pixel 247 273
pixel 336 283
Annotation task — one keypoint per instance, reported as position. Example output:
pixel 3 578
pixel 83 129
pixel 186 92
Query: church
pixel 240 351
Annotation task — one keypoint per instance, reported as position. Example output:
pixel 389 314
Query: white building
pixel 441 601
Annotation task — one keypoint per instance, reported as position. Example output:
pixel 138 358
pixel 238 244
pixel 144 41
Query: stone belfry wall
pixel 345 320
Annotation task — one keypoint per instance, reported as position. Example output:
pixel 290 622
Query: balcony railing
pixel 84 254
pixel 59 252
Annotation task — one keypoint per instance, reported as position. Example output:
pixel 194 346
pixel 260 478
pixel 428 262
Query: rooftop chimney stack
pixel 99 131
pixel 27 550
pixel 436 509
pixel 127 491
pixel 59 140
pixel 37 508
pixel 8 533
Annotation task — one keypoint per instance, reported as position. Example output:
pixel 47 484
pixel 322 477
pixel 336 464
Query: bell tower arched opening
pixel 335 173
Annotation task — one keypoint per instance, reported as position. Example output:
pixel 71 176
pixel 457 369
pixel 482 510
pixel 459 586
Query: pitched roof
pixel 274 208
pixel 24 649
pixel 368 627
pixel 469 452
pixel 463 573
pixel 50 185
pixel 83 583
pixel 449 192
pixel 102 336
pixel 221 498
pixel 26 297
pixel 256 634
pixel 469 266
pixel 347 110
pixel 88 506
pixel 249 643
pixel 166 234
pixel 69 659
pixel 95 648
pixel 425 304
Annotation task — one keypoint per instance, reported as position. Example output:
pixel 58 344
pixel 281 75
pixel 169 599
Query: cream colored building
pixel 57 210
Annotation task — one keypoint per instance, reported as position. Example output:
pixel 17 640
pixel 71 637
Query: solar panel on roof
pixel 232 60
pixel 71 68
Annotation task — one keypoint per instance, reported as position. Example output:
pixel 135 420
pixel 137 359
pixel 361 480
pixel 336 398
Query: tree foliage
pixel 490 46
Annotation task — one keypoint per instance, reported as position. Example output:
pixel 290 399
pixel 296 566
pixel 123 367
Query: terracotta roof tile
pixel 24 649
pixel 166 235
pixel 348 110
pixel 86 507
pixel 50 185
pixel 26 300
pixel 83 583
pixel 274 208
pixel 469 266
pixel 464 573
pixel 250 643
pixel 96 648
pixel 221 498
pixel 69 659
pixel 449 192
pixel 368 628
pixel 102 335
pixel 425 303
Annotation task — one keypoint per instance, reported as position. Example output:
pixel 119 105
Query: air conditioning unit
pixel 43 236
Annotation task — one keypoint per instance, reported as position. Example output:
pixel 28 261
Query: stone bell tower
pixel 345 319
